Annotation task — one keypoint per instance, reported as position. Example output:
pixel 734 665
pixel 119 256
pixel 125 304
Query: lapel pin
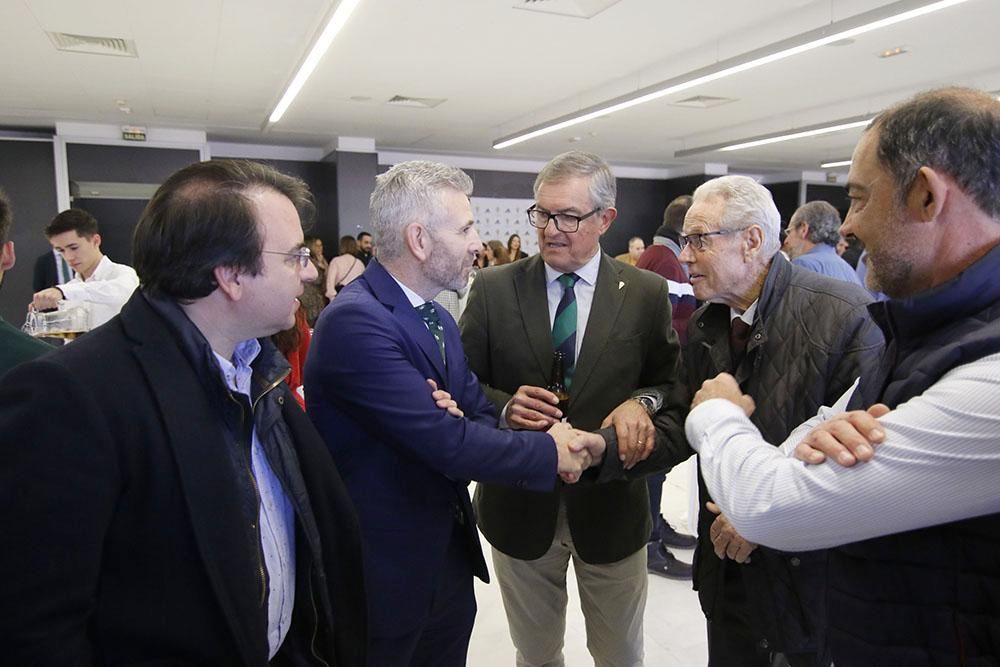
pixel 621 284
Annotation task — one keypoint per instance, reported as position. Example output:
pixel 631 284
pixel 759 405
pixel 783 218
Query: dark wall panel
pixel 125 164
pixel 786 198
pixel 834 194
pixel 116 218
pixel 355 183
pixel 27 174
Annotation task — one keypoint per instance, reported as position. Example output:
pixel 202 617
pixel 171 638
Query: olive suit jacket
pixel 628 343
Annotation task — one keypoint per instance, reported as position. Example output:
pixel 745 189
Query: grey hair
pixel 952 130
pixel 407 193
pixel 747 203
pixel 823 220
pixel 575 164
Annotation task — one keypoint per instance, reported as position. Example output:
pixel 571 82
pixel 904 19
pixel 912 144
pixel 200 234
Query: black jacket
pixel 811 338
pixel 126 497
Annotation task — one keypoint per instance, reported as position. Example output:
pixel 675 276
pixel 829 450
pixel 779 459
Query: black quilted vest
pixel 929 596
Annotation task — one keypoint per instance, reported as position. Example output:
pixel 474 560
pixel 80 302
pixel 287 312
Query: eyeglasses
pixel 697 241
pixel 565 222
pixel 301 256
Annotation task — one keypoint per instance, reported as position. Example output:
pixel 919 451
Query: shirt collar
pixel 236 372
pixel 414 298
pixel 587 272
pixel 747 315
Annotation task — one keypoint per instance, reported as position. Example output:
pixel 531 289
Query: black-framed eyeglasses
pixel 565 222
pixel 302 256
pixel 697 241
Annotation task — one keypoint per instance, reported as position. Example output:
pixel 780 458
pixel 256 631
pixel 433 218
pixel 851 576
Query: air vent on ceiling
pixel 703 102
pixel 584 9
pixel 99 46
pixel 415 102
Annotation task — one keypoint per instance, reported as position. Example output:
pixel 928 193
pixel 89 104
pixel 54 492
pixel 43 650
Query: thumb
pixel 878 410
pixel 433 384
pixel 713 508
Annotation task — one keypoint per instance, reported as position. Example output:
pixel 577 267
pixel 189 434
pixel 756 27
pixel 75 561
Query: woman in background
pixel 514 248
pixel 343 268
pixel 497 253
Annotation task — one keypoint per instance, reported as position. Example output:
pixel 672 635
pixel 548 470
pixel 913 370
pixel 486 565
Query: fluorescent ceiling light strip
pixel 795 135
pixel 838 163
pixel 895 12
pixel 776 137
pixel 336 22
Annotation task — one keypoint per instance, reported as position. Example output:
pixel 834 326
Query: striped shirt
pixel 939 463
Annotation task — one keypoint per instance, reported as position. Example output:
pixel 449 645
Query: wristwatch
pixel 652 402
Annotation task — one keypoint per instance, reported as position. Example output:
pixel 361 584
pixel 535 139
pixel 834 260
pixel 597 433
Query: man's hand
pixel 47 299
pixel 533 408
pixel 634 430
pixel 725 539
pixel 444 400
pixel 724 386
pixel 847 438
pixel 593 444
pixel 573 450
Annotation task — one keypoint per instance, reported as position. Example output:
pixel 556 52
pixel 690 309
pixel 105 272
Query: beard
pixel 450 272
pixel 891 266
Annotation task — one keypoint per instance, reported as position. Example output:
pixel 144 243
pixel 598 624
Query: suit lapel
pixel 390 294
pixel 609 295
pixel 533 302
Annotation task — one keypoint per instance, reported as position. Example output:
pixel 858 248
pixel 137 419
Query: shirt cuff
pixel 707 415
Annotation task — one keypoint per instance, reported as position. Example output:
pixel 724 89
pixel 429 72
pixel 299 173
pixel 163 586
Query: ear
pixel 7 257
pixel 802 230
pixel 96 239
pixel 417 240
pixel 228 280
pixel 927 195
pixel 752 242
pixel 608 216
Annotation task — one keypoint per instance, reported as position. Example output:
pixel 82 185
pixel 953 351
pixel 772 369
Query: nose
pixel 309 273
pixel 687 255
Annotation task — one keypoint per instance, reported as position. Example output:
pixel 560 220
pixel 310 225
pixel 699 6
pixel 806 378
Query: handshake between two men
pixel 534 408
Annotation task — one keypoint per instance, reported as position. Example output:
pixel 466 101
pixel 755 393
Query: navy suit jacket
pixel 406 462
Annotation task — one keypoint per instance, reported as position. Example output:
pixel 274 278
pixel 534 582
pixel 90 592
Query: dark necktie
pixel 564 325
pixel 739 334
pixel 430 317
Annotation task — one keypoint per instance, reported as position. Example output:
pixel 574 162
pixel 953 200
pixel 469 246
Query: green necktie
pixel 430 317
pixel 564 325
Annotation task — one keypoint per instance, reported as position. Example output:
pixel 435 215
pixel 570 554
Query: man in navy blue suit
pixel 407 462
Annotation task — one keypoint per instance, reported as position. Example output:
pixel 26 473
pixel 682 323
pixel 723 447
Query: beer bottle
pixel 557 383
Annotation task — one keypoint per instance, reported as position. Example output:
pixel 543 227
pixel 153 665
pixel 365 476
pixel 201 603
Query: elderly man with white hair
pixel 794 340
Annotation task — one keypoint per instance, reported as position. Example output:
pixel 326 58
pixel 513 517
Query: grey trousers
pixel 612 598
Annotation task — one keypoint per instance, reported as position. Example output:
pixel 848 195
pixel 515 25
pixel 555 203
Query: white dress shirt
pixel 104 292
pixel 939 463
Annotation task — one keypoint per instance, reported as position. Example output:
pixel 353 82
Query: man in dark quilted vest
pixel 915 579
pixel 794 340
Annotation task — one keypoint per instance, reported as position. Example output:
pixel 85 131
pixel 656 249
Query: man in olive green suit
pixel 613 324
pixel 15 346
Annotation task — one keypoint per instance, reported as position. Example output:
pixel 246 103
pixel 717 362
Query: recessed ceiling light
pixel 895 51
pixel 838 163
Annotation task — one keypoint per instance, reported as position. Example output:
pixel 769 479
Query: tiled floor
pixel 675 627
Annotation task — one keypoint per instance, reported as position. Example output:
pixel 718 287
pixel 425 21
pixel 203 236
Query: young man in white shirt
pixel 101 284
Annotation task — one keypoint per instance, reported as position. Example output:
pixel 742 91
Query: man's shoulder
pixel 805 283
pixel 17 347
